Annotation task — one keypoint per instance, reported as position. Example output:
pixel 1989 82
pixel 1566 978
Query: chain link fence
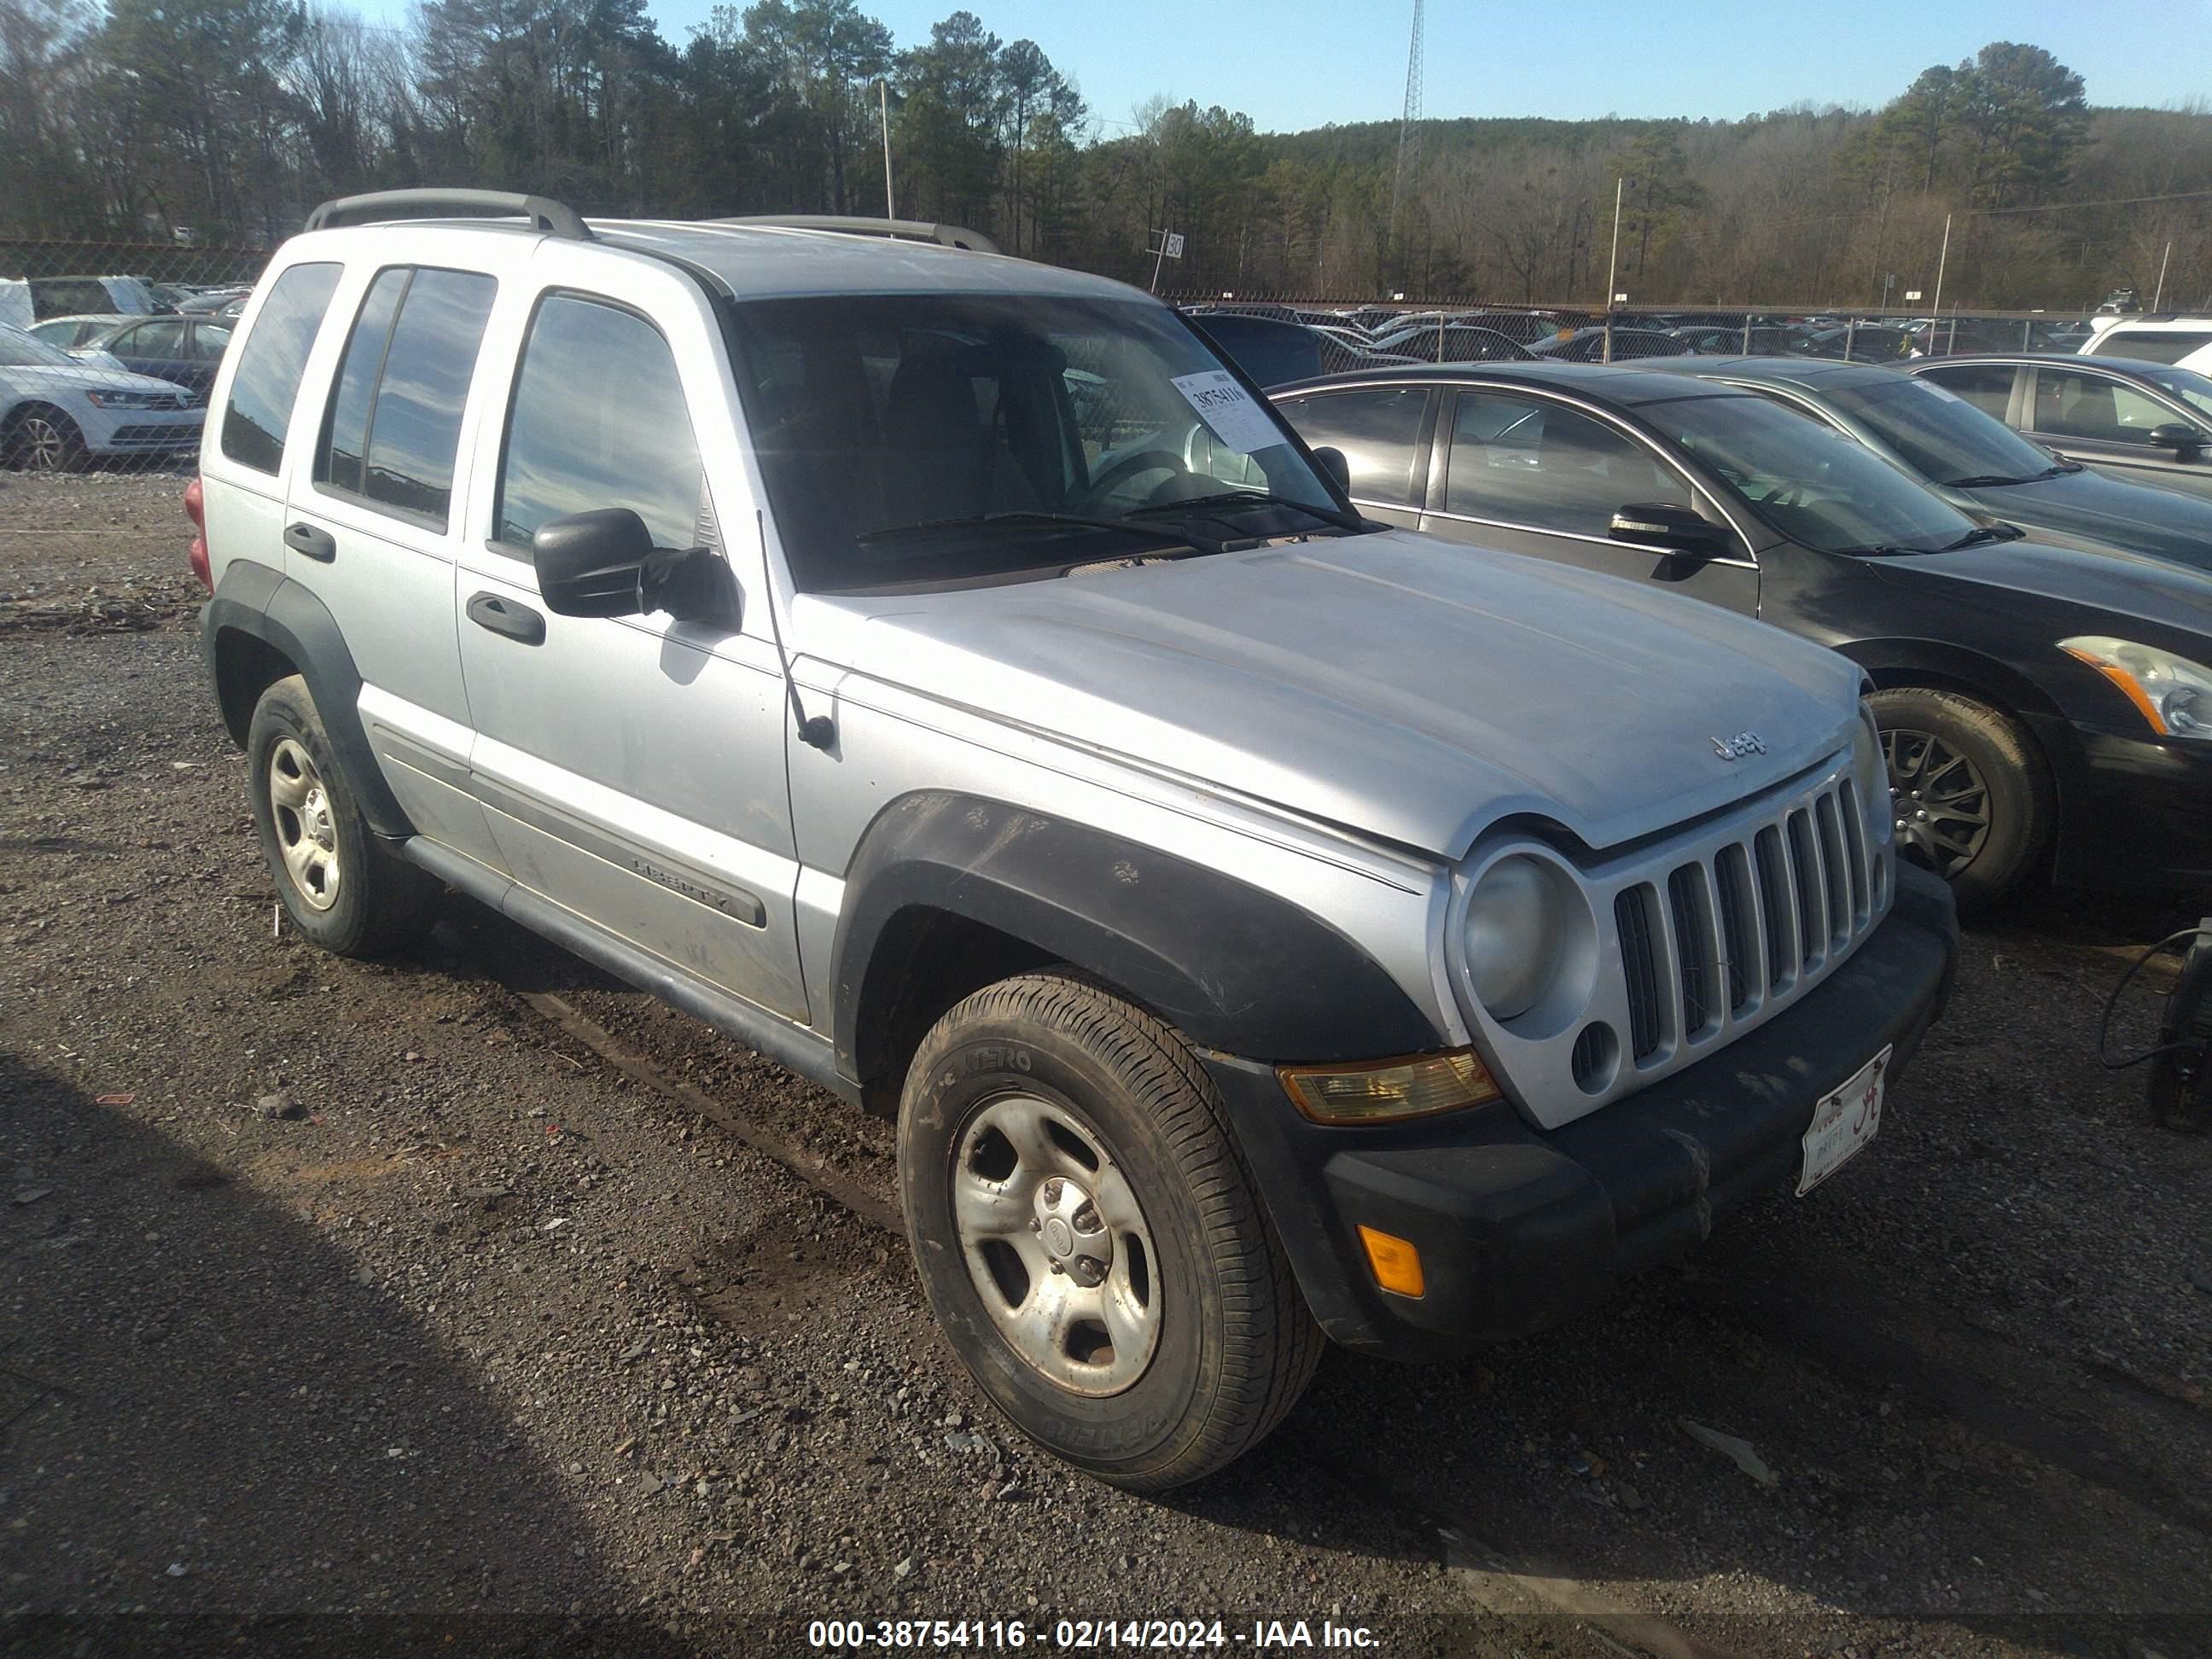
pixel 1349 336
pixel 107 350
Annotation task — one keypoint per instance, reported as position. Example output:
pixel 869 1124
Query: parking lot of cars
pixel 1193 872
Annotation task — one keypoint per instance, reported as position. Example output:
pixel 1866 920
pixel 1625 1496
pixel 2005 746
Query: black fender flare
pixel 256 602
pixel 1231 966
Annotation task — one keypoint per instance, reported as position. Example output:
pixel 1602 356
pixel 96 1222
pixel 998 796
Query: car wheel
pixel 41 439
pixel 1088 1238
pixel 339 886
pixel 1968 794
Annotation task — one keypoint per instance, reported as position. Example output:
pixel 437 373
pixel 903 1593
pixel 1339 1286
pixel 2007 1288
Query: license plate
pixel 1842 1123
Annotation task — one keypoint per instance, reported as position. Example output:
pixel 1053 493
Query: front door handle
pixel 517 621
pixel 305 539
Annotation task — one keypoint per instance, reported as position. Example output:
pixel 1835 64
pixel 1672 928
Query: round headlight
pixel 1517 932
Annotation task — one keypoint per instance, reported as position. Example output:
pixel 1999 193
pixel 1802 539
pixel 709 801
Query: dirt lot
pixel 340 1303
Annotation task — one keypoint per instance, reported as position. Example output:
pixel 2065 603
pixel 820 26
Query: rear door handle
pixel 517 621
pixel 305 539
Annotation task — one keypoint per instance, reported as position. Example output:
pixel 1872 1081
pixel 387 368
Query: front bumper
pixel 2137 814
pixel 1520 1229
pixel 139 431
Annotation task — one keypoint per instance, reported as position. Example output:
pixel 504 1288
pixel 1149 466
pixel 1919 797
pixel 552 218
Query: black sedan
pixel 1453 342
pixel 186 349
pixel 2040 705
pixel 1977 463
pixel 2147 422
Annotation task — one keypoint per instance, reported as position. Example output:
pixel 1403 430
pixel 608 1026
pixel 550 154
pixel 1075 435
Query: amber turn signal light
pixel 1386 1090
pixel 1396 1263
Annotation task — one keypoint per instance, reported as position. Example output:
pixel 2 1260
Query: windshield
pixel 2187 384
pixel 1940 435
pixel 1819 487
pixel 943 437
pixel 18 349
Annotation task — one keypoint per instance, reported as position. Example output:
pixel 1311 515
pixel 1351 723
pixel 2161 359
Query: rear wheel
pixel 1968 794
pixel 339 886
pixel 42 440
pixel 1089 1237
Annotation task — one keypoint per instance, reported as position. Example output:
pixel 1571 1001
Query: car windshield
pixel 950 437
pixel 1819 487
pixel 2187 384
pixel 1942 436
pixel 18 350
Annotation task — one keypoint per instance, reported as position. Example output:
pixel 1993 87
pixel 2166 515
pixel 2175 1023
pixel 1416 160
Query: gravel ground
pixel 339 1301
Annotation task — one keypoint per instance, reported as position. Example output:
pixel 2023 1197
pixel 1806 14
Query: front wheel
pixel 1968 794
pixel 41 439
pixel 1088 1238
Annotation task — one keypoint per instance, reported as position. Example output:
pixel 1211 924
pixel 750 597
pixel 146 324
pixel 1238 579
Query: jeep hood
pixel 1397 685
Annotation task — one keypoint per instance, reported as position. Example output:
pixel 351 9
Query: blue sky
pixel 1296 63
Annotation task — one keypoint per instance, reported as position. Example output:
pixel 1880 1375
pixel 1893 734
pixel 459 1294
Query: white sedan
pixel 56 411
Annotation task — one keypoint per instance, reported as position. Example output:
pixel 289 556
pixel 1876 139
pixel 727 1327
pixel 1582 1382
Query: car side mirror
pixel 1668 528
pixel 1331 460
pixel 602 563
pixel 2175 434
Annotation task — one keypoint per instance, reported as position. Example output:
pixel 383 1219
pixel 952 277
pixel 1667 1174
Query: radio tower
pixel 1409 141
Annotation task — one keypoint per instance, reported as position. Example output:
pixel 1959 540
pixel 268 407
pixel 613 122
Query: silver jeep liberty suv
pixel 944 674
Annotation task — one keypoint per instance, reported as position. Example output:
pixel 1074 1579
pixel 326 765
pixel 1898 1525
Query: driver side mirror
pixel 602 563
pixel 2175 434
pixel 1669 529
pixel 1331 460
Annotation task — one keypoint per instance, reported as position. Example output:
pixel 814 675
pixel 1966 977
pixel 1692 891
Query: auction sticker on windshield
pixel 1226 407
pixel 1842 1123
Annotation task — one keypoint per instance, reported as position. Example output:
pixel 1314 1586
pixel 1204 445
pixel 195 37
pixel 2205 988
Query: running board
pixel 788 1045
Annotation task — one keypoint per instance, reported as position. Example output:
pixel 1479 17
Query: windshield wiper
pixel 1031 516
pixel 1997 480
pixel 1986 532
pixel 1199 504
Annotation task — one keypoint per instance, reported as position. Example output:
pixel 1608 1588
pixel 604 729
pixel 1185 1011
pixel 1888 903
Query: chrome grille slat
pixel 1632 917
pixel 1730 928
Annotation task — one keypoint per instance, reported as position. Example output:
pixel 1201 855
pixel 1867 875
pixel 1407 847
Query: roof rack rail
pixel 557 218
pixel 913 230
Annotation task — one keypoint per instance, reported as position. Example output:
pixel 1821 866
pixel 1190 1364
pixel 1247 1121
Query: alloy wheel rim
pixel 1056 1245
pixel 307 830
pixel 42 445
pixel 1938 800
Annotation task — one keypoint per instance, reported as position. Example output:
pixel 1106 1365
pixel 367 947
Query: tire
pixel 340 886
pixel 1047 1081
pixel 43 439
pixel 1984 813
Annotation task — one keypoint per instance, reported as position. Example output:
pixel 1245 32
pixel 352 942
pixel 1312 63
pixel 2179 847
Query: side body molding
pixel 256 602
pixel 1234 967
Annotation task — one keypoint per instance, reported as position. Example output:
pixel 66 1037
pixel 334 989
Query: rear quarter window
pixel 270 365
pixel 2152 345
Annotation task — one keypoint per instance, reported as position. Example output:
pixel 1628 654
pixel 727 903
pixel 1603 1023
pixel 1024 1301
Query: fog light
pixel 1396 1263
pixel 1384 1090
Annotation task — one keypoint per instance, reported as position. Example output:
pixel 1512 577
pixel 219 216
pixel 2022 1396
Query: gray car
pixel 1263 924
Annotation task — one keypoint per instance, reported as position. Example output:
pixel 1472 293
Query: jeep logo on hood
pixel 1742 744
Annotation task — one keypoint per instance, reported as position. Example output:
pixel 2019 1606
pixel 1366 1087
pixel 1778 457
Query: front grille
pixel 156 435
pixel 1748 920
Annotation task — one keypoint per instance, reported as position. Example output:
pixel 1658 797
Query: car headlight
pixel 102 398
pixel 1519 925
pixel 1870 771
pixel 2171 693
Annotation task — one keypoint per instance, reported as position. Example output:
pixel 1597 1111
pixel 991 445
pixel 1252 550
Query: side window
pixel 395 419
pixel 2152 345
pixel 267 379
pixel 1520 461
pixel 599 421
pixel 2072 405
pixel 1379 431
pixel 162 338
pixel 1988 387
pixel 209 342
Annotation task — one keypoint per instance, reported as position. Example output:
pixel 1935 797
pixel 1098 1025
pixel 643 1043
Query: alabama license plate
pixel 1842 1123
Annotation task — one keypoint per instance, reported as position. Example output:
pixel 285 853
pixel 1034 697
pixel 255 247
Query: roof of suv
pixel 758 260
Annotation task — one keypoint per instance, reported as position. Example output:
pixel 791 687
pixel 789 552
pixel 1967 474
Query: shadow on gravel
pixel 211 1417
